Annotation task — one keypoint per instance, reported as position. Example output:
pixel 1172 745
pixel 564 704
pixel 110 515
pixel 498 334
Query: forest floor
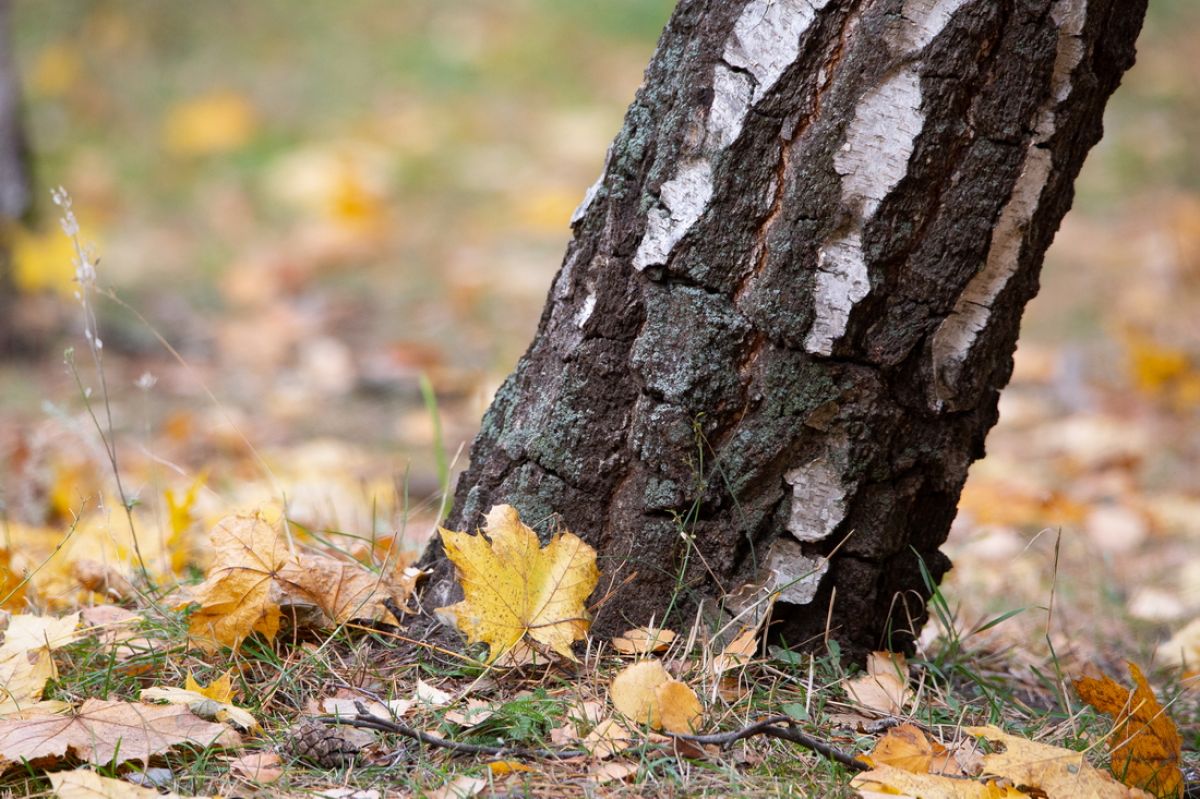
pixel 304 315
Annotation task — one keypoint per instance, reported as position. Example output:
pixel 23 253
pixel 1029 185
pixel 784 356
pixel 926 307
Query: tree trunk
pixel 779 334
pixel 15 199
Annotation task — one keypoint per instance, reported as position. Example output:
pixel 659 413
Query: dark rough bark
pixel 779 334
pixel 15 198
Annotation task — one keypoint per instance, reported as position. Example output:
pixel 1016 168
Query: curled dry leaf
pixel 513 587
pixel 607 739
pixel 1145 744
pixel 254 574
pixel 643 641
pixel 461 787
pixel 261 767
pixel 612 772
pixel 477 711
pixel 738 653
pixel 426 694
pixel 646 694
pixel 102 730
pixel 884 688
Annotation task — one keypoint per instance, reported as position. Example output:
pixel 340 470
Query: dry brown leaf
pixel 462 787
pixel 1183 649
pixel 477 711
pixel 345 590
pixel 111 623
pixel 607 739
pixel 612 772
pixel 426 694
pixel 236 599
pixel 643 641
pixel 86 784
pixel 102 730
pixel 738 653
pixel 1145 744
pixel 884 688
pixel 261 767
pixel 514 587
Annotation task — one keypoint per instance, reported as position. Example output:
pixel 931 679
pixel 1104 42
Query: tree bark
pixel 778 337
pixel 15 196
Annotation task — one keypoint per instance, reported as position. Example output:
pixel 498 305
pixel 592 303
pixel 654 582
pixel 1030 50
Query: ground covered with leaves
pixel 224 443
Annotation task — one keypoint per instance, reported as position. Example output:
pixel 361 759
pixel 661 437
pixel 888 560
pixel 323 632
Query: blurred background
pixel 324 207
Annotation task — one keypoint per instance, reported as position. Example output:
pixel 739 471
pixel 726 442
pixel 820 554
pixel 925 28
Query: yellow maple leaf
pixel 236 599
pixel 1145 744
pixel 514 588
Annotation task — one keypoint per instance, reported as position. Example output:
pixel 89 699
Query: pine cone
pixel 325 745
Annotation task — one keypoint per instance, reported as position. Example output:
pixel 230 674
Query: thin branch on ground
pixel 781 727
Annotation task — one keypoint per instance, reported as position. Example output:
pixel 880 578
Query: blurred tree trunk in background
pixel 779 334
pixel 15 195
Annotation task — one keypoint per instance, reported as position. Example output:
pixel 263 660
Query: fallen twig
pixel 781 727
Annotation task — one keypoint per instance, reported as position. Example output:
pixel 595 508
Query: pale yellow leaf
pixel 260 767
pixel 217 122
pixel 84 783
pixel 643 641
pixel 738 653
pixel 27 631
pixel 634 692
pixel 884 688
pixel 607 739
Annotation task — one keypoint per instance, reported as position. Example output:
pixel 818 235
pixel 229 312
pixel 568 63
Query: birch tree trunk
pixel 15 199
pixel 778 337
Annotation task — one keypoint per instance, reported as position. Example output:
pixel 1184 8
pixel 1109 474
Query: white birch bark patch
pixel 683 200
pixel 818 494
pixel 957 334
pixel 880 140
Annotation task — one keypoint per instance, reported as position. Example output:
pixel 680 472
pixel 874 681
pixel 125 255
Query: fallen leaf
pixel 612 772
pixel 884 688
pixel 738 653
pixel 646 694
pixel 502 768
pixel 462 787
pixel 477 711
pixel 513 587
pixel 906 747
pixel 643 641
pixel 1183 649
pixel 213 702
pixel 679 707
pixel 236 598
pixel 1059 773
pixel 261 767
pixel 84 783
pixel 23 677
pixel 348 709
pixel 427 694
pixel 633 692
pixel 345 590
pixel 607 739
pixel 111 623
pixel 101 731
pixel 1145 745
pixel 896 783
pixel 26 631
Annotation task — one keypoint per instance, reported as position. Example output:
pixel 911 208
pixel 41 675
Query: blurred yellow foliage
pixel 1163 371
pixel 43 262
pixel 210 124
pixel 56 69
